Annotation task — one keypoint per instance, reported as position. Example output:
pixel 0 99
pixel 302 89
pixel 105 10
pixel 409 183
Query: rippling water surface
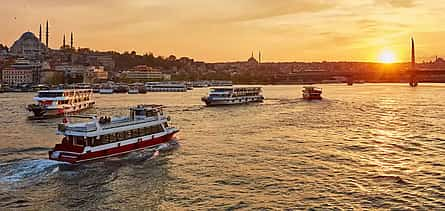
pixel 376 146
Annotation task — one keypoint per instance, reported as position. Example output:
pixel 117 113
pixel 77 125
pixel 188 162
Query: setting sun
pixel 387 56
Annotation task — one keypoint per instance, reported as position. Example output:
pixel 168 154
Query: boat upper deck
pixel 235 89
pixel 62 93
pixel 103 125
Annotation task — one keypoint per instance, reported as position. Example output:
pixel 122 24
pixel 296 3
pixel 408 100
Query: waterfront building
pixel 95 74
pixel 100 59
pixel 82 74
pixel 22 72
pixel 13 76
pixel 144 73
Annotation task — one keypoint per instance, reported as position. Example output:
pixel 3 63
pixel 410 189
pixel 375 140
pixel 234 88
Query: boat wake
pixel 23 172
pixel 153 153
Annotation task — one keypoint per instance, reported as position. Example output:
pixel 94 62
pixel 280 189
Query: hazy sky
pixel 210 30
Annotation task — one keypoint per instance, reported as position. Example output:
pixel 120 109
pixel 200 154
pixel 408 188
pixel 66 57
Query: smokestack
pixel 413 54
pixel 64 43
pixel 71 44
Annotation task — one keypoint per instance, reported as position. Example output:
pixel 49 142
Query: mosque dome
pixel 28 45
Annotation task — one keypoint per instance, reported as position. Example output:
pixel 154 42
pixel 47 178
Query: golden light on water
pixel 387 57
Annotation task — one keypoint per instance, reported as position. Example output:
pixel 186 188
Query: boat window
pixel 141 132
pixel 122 136
pixel 139 112
pixel 112 138
pixel 90 141
pixel 135 133
pixel 147 131
pixel 165 125
pixel 150 113
pixel 104 139
pixel 70 139
pixel 67 140
pixel 79 140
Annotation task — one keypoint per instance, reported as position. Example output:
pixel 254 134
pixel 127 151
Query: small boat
pixel 133 90
pixel 312 93
pixel 136 88
pixel 146 127
pixel 120 88
pixel 220 83
pixel 106 89
pixel 233 96
pixel 54 103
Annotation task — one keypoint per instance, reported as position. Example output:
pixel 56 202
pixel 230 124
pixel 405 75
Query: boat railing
pixel 128 122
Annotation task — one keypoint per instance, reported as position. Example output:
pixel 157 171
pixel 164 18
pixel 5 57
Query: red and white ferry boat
pixel 53 103
pixel 145 127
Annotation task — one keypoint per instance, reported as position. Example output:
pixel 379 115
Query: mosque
pixel 29 46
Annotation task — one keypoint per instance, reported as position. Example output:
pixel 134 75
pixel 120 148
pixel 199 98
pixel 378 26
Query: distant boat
pixel 53 103
pixel 165 87
pixel 312 93
pixel 136 88
pixel 106 88
pixel 120 88
pixel 233 96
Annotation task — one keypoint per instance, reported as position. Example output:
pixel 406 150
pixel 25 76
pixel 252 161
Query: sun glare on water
pixel 387 57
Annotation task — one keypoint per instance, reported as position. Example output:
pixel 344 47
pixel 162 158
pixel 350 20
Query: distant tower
pixel 413 54
pixel 64 43
pixel 40 33
pixel 252 55
pixel 71 43
pixel 47 34
pixel 413 80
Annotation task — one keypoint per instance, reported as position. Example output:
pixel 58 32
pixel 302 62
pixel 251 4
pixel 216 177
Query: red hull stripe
pixel 76 158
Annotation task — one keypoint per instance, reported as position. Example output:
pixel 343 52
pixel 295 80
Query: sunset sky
pixel 229 30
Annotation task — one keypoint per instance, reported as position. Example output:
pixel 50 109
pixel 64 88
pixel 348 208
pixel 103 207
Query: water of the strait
pixel 367 146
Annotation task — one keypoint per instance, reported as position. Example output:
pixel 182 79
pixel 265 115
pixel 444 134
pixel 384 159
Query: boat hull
pixel 210 102
pixel 41 112
pixel 312 96
pixel 76 155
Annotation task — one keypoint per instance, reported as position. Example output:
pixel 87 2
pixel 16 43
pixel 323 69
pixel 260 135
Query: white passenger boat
pixel 145 127
pixel 53 103
pixel 165 87
pixel 233 95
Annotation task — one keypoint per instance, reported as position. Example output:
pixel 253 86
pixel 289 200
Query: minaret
pixel 47 34
pixel 71 43
pixel 259 57
pixel 64 43
pixel 40 33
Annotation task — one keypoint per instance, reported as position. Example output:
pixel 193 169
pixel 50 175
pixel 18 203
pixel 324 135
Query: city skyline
pixel 344 30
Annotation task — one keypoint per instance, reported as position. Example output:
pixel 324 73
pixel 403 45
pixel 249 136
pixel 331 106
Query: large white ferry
pixel 233 95
pixel 52 103
pixel 145 127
